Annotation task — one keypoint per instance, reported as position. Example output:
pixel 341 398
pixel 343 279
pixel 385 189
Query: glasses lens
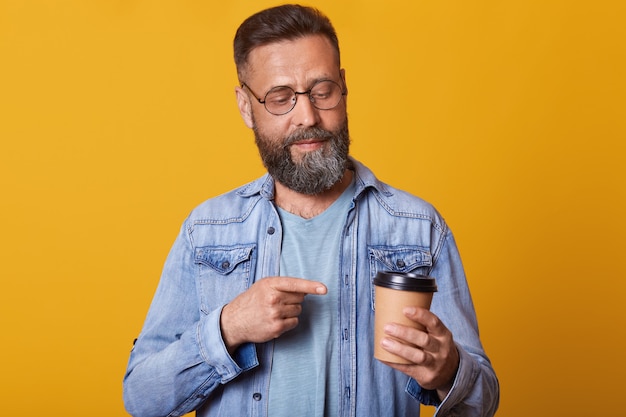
pixel 325 95
pixel 280 100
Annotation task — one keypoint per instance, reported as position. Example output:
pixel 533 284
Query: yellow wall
pixel 117 117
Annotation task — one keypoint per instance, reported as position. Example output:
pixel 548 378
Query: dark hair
pixel 286 22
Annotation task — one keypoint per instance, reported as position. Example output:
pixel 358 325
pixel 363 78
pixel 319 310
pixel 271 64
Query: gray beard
pixel 318 170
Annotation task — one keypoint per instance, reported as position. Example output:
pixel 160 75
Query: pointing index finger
pixel 300 285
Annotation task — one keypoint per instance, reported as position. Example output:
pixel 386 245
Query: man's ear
pixel 245 107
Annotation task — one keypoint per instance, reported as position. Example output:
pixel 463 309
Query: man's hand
pixel 269 308
pixel 433 355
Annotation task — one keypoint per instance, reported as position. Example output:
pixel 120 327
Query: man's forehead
pixel 312 54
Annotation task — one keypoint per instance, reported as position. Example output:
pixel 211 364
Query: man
pixel 266 302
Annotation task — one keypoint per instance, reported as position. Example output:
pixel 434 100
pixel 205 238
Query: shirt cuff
pixel 463 384
pixel 213 349
pixel 424 396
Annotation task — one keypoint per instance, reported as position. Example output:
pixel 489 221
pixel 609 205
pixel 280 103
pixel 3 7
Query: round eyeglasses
pixel 324 95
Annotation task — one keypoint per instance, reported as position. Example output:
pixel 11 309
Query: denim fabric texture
pixel 179 362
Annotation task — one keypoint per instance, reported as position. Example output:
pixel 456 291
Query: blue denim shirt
pixel 179 362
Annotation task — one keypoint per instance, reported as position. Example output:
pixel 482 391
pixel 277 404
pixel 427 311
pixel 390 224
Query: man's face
pixel 307 148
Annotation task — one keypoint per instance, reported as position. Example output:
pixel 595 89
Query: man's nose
pixel 304 112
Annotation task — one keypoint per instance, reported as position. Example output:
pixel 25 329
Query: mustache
pixel 308 133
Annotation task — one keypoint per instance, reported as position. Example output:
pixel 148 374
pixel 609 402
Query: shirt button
pixel 225 265
pixel 400 263
pixel 257 396
pixel 270 230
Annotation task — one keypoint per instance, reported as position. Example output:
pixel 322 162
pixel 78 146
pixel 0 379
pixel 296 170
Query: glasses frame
pixel 344 92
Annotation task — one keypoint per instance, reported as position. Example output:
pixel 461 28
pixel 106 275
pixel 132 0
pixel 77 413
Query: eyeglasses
pixel 324 95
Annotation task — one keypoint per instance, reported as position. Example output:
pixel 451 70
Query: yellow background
pixel 118 116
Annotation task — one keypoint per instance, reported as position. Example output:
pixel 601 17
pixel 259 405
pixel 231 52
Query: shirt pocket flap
pixel 401 258
pixel 223 259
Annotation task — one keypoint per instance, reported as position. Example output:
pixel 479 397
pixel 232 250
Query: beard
pixel 315 171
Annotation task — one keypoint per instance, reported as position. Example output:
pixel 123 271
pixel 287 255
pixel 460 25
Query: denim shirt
pixel 179 362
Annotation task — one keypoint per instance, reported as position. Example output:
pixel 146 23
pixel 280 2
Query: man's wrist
pixel 443 391
pixel 229 341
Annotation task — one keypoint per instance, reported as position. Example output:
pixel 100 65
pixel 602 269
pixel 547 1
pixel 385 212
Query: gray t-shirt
pixel 304 380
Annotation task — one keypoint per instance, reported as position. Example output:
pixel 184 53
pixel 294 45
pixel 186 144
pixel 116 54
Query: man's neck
pixel 309 206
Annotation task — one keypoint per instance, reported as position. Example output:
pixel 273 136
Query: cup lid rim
pixel 406 281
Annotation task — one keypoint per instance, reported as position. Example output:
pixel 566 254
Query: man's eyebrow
pixel 310 82
pixel 322 78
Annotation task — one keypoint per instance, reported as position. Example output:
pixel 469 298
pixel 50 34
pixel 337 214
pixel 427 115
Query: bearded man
pixel 266 302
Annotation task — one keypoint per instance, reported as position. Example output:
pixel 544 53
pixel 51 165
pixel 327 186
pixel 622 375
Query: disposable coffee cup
pixel 394 292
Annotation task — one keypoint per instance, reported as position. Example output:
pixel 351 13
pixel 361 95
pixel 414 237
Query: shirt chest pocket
pixel 223 272
pixel 415 259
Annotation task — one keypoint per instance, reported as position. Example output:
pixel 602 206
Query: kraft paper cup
pixel 394 292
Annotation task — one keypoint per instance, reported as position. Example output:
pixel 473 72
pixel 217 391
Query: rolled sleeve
pixel 473 394
pixel 468 396
pixel 213 349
